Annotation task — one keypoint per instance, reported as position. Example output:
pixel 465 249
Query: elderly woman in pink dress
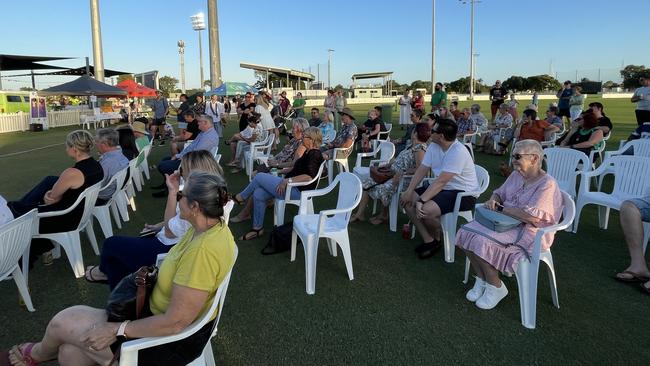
pixel 529 195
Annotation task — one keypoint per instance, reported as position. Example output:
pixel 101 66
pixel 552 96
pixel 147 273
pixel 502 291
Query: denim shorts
pixel 643 204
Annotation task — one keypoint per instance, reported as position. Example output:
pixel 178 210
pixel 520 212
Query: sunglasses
pixel 179 195
pixel 519 156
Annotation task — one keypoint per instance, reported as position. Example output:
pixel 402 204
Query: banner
pixel 37 110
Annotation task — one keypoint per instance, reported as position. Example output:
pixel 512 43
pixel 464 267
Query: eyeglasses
pixel 179 195
pixel 519 156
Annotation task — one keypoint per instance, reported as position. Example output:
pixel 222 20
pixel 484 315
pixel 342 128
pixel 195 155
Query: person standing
pixel 497 96
pixel 418 101
pixel 576 103
pixel 299 105
pixel 642 99
pixel 564 96
pixel 341 103
pixel 405 109
pixel 215 110
pixel 330 104
pixel 184 107
pixel 439 98
pixel 535 100
pixel 244 110
pixel 160 111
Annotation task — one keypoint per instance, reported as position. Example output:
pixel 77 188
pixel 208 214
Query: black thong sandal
pixel 256 234
pixel 238 200
pixel 89 276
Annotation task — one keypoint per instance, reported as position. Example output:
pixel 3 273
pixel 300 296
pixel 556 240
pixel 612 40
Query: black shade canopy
pixel 17 62
pixel 84 86
pixel 81 71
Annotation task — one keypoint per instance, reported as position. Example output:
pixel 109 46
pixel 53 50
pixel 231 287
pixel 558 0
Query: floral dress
pixel 403 162
pixel 288 152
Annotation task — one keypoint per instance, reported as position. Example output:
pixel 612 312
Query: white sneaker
pixel 477 291
pixel 491 296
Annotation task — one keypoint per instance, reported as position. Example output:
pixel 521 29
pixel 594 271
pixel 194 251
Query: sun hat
pixel 139 127
pixel 348 112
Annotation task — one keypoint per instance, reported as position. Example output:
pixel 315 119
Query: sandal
pixel 633 277
pixel 25 355
pixel 256 233
pixel 645 288
pixel 239 201
pixel 233 164
pixel 88 276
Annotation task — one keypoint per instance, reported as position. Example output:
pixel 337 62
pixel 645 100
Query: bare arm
pixel 173 182
pixel 595 138
pixel 71 178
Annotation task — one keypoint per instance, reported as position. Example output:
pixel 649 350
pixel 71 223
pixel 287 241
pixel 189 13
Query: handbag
pixel 128 299
pixel 381 174
pixel 280 239
pixel 495 221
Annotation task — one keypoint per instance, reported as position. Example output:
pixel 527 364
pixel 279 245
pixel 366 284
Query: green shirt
pixel 299 103
pixel 439 99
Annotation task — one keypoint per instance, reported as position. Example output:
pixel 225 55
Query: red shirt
pixel 534 131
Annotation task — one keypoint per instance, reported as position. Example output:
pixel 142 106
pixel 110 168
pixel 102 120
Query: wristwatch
pixel 290 180
pixel 121 335
pixel 499 208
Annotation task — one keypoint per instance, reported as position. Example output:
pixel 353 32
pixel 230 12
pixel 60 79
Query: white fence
pixel 20 121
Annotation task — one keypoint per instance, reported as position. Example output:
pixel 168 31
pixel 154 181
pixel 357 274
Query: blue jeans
pixel 123 255
pixel 263 188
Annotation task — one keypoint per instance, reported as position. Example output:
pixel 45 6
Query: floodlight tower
pixel 433 47
pixel 329 67
pixel 471 46
pixel 181 55
pixel 198 24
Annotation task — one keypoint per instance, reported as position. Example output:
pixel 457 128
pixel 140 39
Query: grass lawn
pixel 398 309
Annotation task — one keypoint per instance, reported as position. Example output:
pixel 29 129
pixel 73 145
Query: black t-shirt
pixel 499 95
pixel 308 163
pixel 370 126
pixel 193 128
pixel 243 120
pixel 604 121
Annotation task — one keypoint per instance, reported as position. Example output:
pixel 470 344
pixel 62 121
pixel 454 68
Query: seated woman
pixel 372 126
pixel 284 160
pixel 405 163
pixel 128 143
pixel 265 186
pixel 585 135
pixel 252 133
pixel 123 255
pixel 327 127
pixel 529 195
pixel 187 283
pixel 531 128
pixel 58 193
pixel 503 119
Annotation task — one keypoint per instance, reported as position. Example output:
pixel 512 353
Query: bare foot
pixel 356 218
pixel 378 220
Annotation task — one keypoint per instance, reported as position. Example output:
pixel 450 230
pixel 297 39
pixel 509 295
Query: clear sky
pixel 521 37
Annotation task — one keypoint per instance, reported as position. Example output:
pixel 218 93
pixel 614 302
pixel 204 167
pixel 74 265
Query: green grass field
pixel 398 309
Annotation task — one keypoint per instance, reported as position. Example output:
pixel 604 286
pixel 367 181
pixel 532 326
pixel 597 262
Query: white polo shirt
pixel 5 212
pixel 455 160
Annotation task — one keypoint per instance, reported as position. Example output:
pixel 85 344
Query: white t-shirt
pixel 456 160
pixel 643 93
pixel 5 212
pixel 266 119
pixel 177 226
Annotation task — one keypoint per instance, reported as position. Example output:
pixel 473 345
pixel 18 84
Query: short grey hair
pixel 108 136
pixel 476 108
pixel 302 123
pixel 206 118
pixel 209 191
pixel 530 146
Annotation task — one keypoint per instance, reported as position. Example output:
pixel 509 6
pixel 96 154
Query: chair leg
pixel 548 259
pixel 392 213
pixel 294 239
pixel 116 215
pixel 208 355
pixel 448 223
pixel 603 217
pixel 330 170
pixel 311 252
pixel 576 220
pixel 347 255
pixel 90 232
pixel 103 216
pixel 72 249
pixel 122 203
pixel 646 235
pixel 21 283
pixel 278 212
pixel 467 268
pixel 527 283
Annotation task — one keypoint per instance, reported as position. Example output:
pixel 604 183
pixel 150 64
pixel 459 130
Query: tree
pixel 542 82
pixel 515 83
pixel 26 88
pixel 420 84
pixel 207 83
pixel 631 75
pixel 167 84
pixel 123 77
pixel 459 86
pixel 610 84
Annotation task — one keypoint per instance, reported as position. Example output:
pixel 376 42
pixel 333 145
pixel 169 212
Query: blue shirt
pixel 641 132
pixel 111 162
pixel 206 140
pixel 564 99
pixel 159 108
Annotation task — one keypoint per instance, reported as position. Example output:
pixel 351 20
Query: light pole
pixel 214 51
pixel 471 46
pixel 433 46
pixel 98 54
pixel 329 67
pixel 476 55
pixel 198 24
pixel 181 55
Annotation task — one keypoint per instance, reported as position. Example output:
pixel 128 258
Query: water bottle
pixel 406 231
pixel 274 171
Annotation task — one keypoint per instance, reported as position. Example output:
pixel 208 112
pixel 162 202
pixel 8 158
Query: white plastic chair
pixel 565 165
pixel 630 181
pixel 70 240
pixel 340 157
pixel 280 204
pixel 129 350
pixel 259 151
pixel 386 151
pixel 329 224
pixel 641 148
pixel 132 184
pixel 393 207
pixel 144 164
pixel 102 212
pixel 598 151
pixel 122 200
pixel 528 270
pixel 449 221
pixel 15 237
pixel 217 158
pixel 382 136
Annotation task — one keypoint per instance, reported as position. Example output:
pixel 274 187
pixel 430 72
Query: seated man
pixel 189 131
pixel 553 119
pixel 405 141
pixel 207 139
pixel 112 161
pixel 465 123
pixel 503 120
pixel 452 165
pixel 345 137
pixel 633 213
pixel 315 120
pixel 477 117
